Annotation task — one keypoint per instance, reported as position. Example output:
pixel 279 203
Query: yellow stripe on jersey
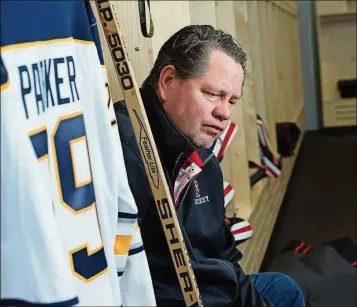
pixel 5 86
pixel 40 159
pixel 122 245
pixel 37 130
pixel 136 226
pixel 44 43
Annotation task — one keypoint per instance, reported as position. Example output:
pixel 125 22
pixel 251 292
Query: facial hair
pixel 201 144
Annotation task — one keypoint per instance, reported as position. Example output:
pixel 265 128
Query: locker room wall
pixel 336 22
pixel 268 32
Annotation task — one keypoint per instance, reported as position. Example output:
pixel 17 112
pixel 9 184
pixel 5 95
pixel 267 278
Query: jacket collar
pixel 174 147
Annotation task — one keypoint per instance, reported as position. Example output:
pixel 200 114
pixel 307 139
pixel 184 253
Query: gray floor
pixel 321 200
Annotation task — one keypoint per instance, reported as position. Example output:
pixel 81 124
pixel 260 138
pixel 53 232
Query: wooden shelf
pixel 338 17
pixel 286 6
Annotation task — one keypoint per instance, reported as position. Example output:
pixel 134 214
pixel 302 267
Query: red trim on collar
pixel 177 200
pixel 190 169
pixel 194 158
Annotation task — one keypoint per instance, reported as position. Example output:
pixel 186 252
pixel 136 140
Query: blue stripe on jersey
pixel 94 30
pixel 136 250
pixel 124 215
pixel 59 19
pixel 39 142
pixel 3 72
pixel 13 302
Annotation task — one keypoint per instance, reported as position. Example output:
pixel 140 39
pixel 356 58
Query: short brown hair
pixel 188 51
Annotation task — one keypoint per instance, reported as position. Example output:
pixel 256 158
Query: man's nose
pixel 223 111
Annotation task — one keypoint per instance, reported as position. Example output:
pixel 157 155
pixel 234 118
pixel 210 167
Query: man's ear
pixel 165 82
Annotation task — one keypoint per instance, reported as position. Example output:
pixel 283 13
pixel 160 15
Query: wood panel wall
pixel 234 165
pixel 268 32
pixel 264 216
pixel 337 47
pixel 337 42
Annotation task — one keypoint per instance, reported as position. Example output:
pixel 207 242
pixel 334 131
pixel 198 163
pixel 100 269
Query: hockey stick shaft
pixel 149 154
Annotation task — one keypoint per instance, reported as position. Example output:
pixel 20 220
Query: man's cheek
pixel 201 111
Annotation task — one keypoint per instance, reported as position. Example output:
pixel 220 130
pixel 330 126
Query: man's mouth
pixel 214 130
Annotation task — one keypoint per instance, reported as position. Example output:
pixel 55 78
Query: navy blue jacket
pixel 200 207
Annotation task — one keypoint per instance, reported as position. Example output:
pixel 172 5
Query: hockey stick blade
pixel 149 154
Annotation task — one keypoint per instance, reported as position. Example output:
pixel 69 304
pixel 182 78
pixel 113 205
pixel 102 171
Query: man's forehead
pixel 224 83
pixel 223 65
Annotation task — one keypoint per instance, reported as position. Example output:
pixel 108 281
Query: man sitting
pixel 189 96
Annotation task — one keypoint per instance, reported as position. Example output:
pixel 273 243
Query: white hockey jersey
pixel 68 218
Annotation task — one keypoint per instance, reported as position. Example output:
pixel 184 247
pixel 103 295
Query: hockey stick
pixel 149 153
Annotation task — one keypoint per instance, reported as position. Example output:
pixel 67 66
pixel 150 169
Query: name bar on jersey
pixel 36 86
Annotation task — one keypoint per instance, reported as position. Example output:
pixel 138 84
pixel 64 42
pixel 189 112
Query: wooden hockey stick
pixel 149 153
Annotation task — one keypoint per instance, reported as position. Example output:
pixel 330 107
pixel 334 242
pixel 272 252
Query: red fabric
pixel 263 133
pixel 244 229
pixel 194 158
pixel 306 249
pixel 299 246
pixel 275 174
pixel 226 139
pixel 227 189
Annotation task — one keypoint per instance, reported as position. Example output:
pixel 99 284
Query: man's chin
pixel 204 143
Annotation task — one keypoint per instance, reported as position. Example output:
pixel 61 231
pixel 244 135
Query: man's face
pixel 201 107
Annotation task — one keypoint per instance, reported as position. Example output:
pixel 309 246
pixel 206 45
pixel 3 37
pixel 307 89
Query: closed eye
pixel 212 94
pixel 215 95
